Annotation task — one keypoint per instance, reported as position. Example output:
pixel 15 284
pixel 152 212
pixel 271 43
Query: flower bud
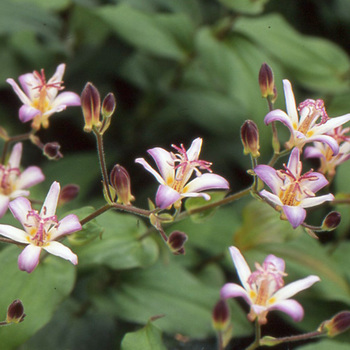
pixel 336 325
pixel 91 105
pixel 176 242
pixel 221 315
pixel 120 181
pixel 331 221
pixel 15 312
pixel 68 193
pixel 250 138
pixel 267 82
pixel 52 151
pixel 108 105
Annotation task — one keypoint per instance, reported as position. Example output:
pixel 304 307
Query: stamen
pixel 43 84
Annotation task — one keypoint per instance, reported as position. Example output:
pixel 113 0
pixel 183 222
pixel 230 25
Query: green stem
pixel 292 338
pixel 13 139
pixel 256 342
pixel 220 341
pixel 278 155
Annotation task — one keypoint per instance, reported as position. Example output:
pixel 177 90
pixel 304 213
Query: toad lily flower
pixel 40 98
pixel 292 192
pixel 329 162
pixel 264 288
pixel 41 230
pixel 13 182
pixel 175 171
pixel 313 124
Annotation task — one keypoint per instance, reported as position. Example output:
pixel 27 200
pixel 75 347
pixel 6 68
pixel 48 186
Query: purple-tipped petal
pixel 27 81
pixel 22 96
pixel 277 262
pixel 313 152
pixel 28 260
pixel 195 149
pixel 30 177
pixel 16 155
pixel 294 162
pixel 269 176
pixel 242 268
pixel 27 113
pixel 166 196
pixel 150 169
pixel 295 287
pixel 67 225
pixel 290 307
pixel 314 201
pixel 50 203
pixel 60 250
pixel 206 182
pixel 315 185
pixel 20 208
pixel 271 197
pixel 4 202
pixel 329 140
pixel 165 163
pixel 280 116
pixel 233 290
pixel 331 124
pixel 13 233
pixel 66 99
pixel 295 215
pixel 290 101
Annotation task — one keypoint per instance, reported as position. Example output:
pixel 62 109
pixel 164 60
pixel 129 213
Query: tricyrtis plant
pixel 186 186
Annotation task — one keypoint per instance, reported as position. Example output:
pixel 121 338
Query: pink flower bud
pixel 68 193
pixel 250 138
pixel 336 325
pixel 91 105
pixel 267 82
pixel 120 181
pixel 221 315
pixel 15 312
pixel 176 242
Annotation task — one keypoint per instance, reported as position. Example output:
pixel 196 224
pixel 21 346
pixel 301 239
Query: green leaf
pixel 171 290
pixel 120 246
pixel 147 338
pixel 142 30
pixel 245 6
pixel 194 203
pixel 325 345
pixel 41 292
pixel 55 5
pixel 317 63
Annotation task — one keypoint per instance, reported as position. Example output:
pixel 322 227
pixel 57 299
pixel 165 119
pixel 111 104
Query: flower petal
pixel 290 307
pixel 314 201
pixel 66 99
pixel 313 152
pixel 331 124
pixel 166 196
pixel 67 225
pixel 50 204
pixel 20 208
pixel 269 176
pixel 30 177
pixel 233 290
pixel 314 185
pixel 281 116
pixel 60 250
pixel 206 182
pixel 295 214
pixel 329 140
pixel 195 149
pixel 16 155
pixel 22 96
pixel 290 101
pixel 294 162
pixel 271 197
pixel 277 262
pixel 27 113
pixel 28 260
pixel 165 163
pixel 150 169
pixel 241 265
pixel 4 202
pixel 295 287
pixel 13 233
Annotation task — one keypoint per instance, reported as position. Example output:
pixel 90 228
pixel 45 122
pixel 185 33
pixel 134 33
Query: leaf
pixel 55 5
pixel 170 290
pixel 317 63
pixel 147 338
pixel 142 30
pixel 41 292
pixel 245 6
pixel 325 345
pixel 120 246
pixel 194 203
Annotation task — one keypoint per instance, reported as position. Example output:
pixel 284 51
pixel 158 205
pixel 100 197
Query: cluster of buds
pixel 92 109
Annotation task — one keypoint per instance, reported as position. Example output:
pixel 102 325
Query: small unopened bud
pixel 250 138
pixel 336 325
pixel 120 181
pixel 331 221
pixel 15 312
pixel 52 151
pixel 108 105
pixel 68 193
pixel 176 242
pixel 3 133
pixel 267 82
pixel 91 105
pixel 221 315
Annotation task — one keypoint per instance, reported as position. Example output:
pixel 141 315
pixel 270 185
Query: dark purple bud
pixel 15 312
pixel 108 105
pixel 121 183
pixel 68 193
pixel 267 82
pixel 250 138
pixel 91 105
pixel 52 151
pixel 176 242
pixel 331 221
pixel 221 315
pixel 336 325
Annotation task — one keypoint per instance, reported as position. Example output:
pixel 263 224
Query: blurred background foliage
pixel 179 69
